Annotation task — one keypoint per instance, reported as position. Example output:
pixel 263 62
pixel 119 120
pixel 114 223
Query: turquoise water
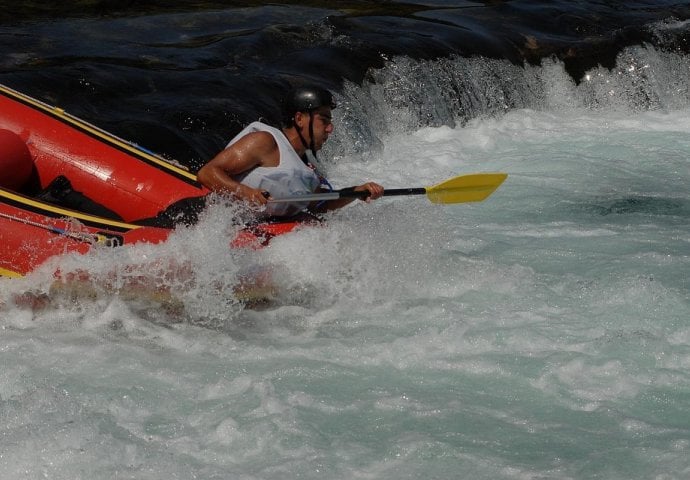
pixel 543 333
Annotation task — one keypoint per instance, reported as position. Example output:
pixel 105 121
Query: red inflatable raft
pixel 117 183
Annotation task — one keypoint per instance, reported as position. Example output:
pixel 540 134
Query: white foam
pixel 406 334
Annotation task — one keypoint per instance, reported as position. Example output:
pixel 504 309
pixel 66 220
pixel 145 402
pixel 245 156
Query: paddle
pixel 464 188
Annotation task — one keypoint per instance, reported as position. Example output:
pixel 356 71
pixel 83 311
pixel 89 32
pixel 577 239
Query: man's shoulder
pixel 256 132
pixel 259 126
pixel 261 142
pixel 261 136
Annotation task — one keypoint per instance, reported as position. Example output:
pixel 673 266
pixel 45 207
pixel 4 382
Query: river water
pixel 543 333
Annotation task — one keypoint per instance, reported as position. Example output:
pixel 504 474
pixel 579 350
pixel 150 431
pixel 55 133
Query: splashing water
pixel 541 333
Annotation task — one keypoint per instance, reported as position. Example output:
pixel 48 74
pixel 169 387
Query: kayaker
pixel 262 162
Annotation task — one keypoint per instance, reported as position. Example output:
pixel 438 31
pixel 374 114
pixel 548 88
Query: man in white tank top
pixel 263 162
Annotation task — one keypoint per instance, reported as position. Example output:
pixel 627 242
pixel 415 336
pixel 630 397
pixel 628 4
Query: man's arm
pixel 257 149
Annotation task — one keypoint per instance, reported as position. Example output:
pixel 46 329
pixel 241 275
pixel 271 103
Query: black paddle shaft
pixel 350 193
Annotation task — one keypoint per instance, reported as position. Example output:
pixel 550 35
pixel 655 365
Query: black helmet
pixel 305 99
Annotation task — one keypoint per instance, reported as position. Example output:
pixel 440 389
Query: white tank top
pixel 290 177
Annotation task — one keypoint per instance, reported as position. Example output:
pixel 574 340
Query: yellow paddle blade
pixel 466 188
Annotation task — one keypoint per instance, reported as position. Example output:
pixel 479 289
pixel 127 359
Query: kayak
pixel 67 186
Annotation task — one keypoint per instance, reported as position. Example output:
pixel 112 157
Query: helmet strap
pixel 307 146
pixel 311 133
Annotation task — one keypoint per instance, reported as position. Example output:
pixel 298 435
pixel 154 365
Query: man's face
pixel 323 125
